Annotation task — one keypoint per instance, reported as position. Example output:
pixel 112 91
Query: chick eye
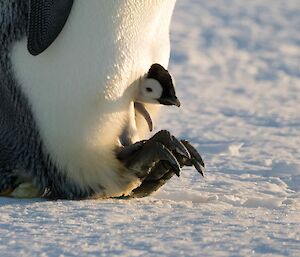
pixel 149 89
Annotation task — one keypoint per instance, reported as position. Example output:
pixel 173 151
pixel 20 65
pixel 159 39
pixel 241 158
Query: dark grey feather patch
pixel 46 20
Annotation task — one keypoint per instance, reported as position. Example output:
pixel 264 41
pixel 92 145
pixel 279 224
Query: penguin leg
pixel 156 160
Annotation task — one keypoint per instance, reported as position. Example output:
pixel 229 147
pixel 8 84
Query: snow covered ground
pixel 237 68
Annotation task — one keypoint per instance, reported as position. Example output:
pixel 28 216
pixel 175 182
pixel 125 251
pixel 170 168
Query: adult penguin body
pixel 66 70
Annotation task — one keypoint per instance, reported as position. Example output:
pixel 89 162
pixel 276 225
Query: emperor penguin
pixel 65 67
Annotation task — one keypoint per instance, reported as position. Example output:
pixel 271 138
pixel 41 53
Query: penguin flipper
pixel 46 20
pixel 143 111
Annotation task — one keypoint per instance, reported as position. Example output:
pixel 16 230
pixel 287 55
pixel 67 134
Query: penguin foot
pixel 25 190
pixel 156 160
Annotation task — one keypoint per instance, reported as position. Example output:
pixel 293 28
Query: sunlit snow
pixel 237 70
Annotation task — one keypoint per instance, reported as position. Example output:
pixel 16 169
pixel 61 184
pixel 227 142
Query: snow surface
pixel 237 68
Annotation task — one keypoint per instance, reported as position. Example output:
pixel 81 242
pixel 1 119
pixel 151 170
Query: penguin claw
pixel 195 159
pixel 162 154
pixel 180 148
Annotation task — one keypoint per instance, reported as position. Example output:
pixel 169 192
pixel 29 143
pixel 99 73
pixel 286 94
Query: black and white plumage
pixel 155 87
pixel 64 73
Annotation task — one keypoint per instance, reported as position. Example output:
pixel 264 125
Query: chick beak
pixel 170 101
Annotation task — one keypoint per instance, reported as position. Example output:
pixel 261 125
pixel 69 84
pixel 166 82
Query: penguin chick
pixel 157 88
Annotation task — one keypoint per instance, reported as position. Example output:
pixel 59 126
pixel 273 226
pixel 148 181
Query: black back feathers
pixel 46 20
